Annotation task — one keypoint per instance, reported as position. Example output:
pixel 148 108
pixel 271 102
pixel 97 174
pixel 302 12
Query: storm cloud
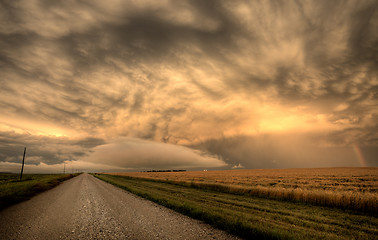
pixel 46 149
pixel 224 77
pixel 142 154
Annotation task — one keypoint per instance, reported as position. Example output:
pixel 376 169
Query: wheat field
pixel 346 188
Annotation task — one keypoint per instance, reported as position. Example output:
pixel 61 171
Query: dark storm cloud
pixel 90 142
pixel 145 36
pixel 286 151
pixel 48 150
pixel 185 72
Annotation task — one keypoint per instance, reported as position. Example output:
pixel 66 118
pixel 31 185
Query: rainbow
pixel 359 155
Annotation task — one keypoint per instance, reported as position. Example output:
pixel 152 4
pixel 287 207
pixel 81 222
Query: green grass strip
pixel 252 217
pixel 13 191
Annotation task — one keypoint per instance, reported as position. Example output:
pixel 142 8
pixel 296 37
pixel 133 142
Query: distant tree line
pixel 165 171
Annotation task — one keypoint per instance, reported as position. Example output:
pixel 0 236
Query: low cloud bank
pixel 132 153
pixel 68 167
pixel 49 150
pixel 288 151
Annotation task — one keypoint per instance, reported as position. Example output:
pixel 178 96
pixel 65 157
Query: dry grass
pixel 13 190
pixel 346 188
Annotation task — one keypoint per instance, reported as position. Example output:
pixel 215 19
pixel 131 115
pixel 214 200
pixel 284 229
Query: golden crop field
pixel 348 188
pixel 335 179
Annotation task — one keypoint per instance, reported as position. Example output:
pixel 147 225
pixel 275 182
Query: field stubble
pixel 345 188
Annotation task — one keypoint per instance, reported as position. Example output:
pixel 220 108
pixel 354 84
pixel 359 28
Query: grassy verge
pixel 12 190
pixel 251 217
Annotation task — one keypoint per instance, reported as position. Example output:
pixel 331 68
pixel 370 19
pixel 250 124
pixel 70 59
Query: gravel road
pixel 87 208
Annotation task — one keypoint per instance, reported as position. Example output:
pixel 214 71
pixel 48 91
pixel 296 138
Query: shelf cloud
pixel 142 154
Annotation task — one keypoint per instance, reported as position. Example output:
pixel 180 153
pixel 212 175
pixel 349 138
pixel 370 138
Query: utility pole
pixel 64 169
pixel 23 162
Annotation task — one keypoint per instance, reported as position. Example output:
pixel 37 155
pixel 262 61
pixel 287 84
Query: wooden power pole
pixel 23 162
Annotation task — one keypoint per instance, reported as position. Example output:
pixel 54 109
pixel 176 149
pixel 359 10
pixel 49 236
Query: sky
pixel 146 85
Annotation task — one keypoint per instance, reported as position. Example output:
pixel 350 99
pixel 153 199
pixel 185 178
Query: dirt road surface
pixel 87 208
